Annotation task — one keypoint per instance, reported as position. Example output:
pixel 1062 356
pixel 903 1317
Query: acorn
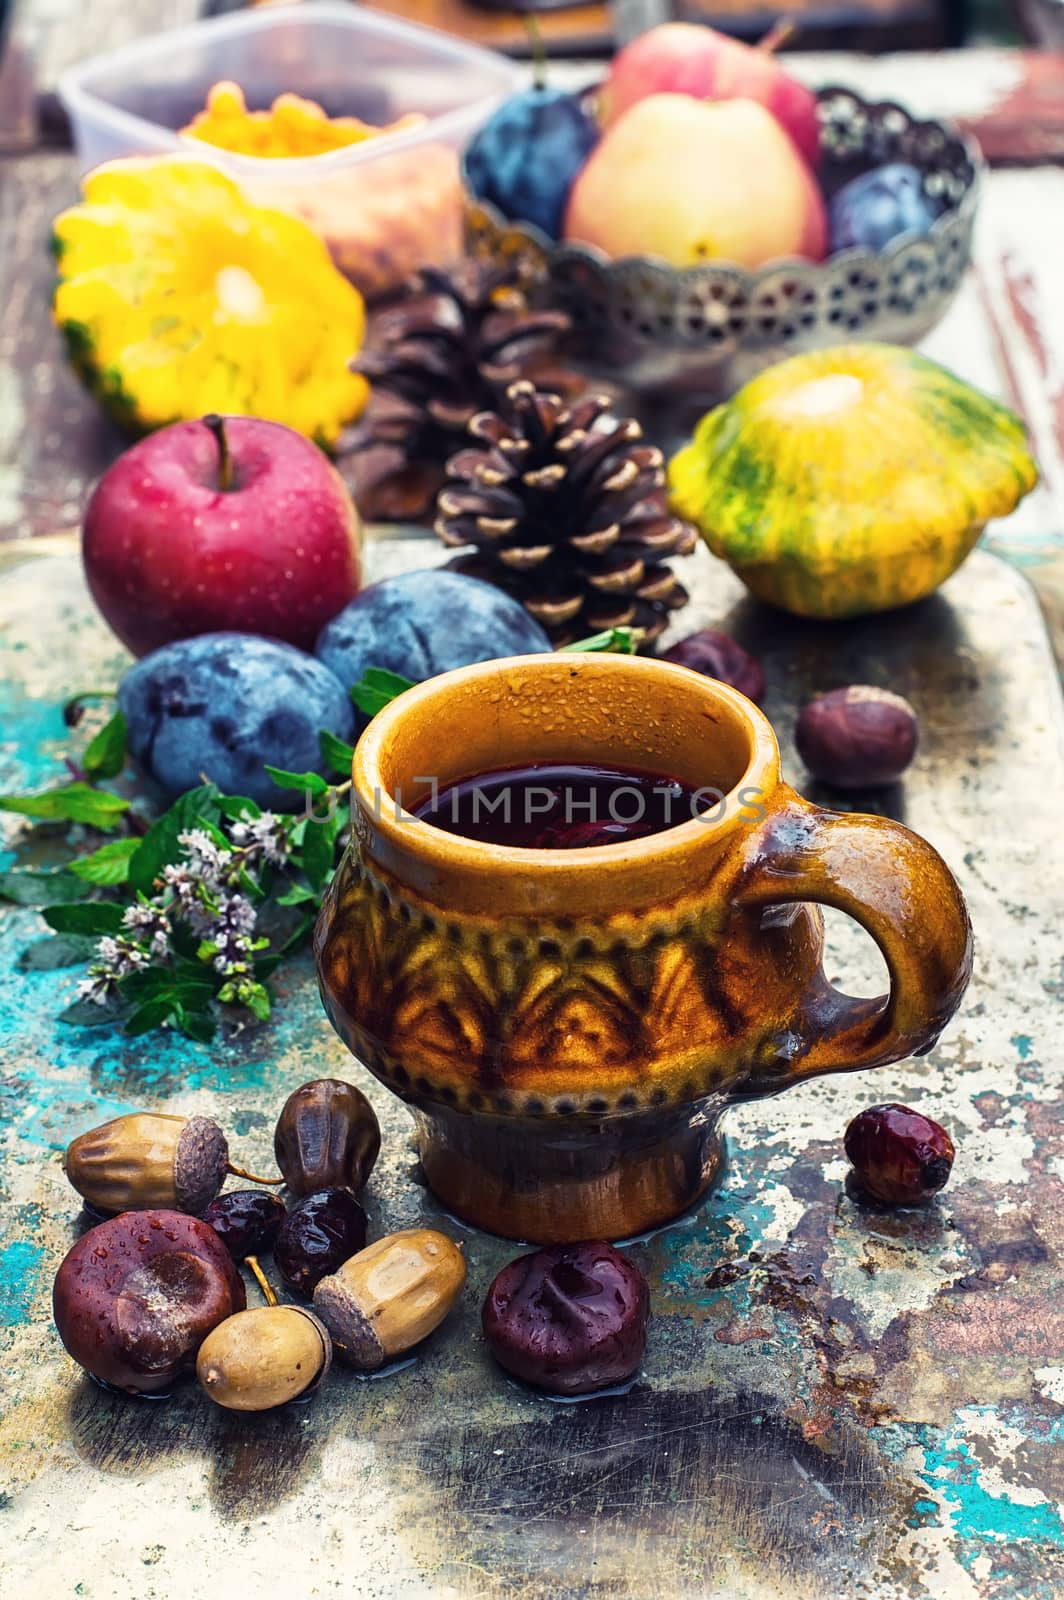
pixel 263 1358
pixel 149 1159
pixel 390 1296
pixel 327 1135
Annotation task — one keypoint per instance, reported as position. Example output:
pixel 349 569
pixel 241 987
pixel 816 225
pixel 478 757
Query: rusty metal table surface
pixel 834 1402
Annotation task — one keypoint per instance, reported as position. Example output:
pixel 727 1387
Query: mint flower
pixel 115 959
pixel 151 924
pixel 265 834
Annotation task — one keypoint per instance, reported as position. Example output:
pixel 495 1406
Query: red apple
pixel 226 524
pixel 685 58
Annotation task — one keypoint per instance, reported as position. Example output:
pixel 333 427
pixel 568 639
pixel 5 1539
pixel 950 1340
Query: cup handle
pixel 898 888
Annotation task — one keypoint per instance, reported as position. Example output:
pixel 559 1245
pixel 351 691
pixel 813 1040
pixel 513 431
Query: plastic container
pixel 386 206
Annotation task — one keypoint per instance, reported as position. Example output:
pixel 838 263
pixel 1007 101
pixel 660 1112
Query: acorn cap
pixel 349 1326
pixel 199 1164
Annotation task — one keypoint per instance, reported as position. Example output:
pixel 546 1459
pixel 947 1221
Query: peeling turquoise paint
pixel 725 1230
pixel 925 1514
pixel 32 739
pixel 682 1251
pixel 120 1074
pixel 953 1471
pixel 20 1264
pixel 1023 1043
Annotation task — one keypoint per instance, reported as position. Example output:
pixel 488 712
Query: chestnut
pixel 898 1155
pixel 716 655
pixel 570 1318
pixel 327 1134
pixel 245 1220
pixel 136 1296
pixel 857 738
pixel 317 1236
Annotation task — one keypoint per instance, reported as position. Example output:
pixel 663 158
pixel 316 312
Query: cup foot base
pixel 552 1184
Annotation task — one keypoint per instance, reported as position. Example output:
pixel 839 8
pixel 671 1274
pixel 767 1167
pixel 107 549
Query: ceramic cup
pixel 568 1026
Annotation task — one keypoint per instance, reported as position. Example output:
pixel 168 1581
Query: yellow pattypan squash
pixel 850 480
pixel 178 296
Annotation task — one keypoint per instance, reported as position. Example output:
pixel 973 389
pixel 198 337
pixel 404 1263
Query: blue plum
pixel 525 158
pixel 228 704
pixel 426 622
pixel 870 211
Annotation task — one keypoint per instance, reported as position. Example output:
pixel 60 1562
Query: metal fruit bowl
pixel 701 332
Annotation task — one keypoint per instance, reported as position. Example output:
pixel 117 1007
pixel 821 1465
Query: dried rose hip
pixel 318 1236
pixel 857 738
pixel 715 655
pixel 136 1297
pixel 246 1220
pixel 898 1155
pixel 570 1318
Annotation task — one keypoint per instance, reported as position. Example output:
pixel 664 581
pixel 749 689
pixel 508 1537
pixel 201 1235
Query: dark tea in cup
pixel 563 806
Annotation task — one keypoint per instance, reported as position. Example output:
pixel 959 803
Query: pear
pixel 690 182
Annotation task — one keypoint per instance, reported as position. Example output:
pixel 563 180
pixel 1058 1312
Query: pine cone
pixel 568 511
pixel 447 350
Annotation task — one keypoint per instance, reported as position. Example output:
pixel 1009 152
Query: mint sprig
pixel 187 917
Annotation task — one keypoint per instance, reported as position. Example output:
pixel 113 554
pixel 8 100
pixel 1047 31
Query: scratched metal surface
pixel 834 1401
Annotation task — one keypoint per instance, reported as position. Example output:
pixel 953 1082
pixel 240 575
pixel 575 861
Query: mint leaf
pixel 297 895
pixel 257 1000
pixel 238 806
pixel 188 983
pixel 307 782
pixel 109 864
pixel 74 802
pixel 621 641
pixel 319 849
pixel 197 1024
pixel 152 1014
pixel 95 918
pixel 86 1014
pixel 106 753
pixel 336 752
pixel 41 888
pixel 159 848
pixel 377 688
pixel 56 951
pixel 247 993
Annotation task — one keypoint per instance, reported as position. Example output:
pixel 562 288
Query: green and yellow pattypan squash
pixel 850 480
pixel 178 295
